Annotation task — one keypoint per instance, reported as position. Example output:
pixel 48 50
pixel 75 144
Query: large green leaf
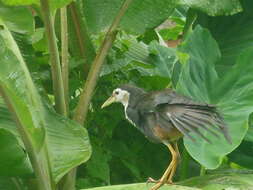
pixel 214 7
pixel 234 39
pixel 141 186
pixel 8 183
pixel 13 160
pixel 233 181
pixel 231 93
pixel 242 156
pixel 18 19
pixel 63 136
pixel 17 84
pixel 54 4
pixel 141 15
pixel 66 141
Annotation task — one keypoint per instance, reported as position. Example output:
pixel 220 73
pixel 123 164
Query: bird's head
pixel 123 95
pixel 118 95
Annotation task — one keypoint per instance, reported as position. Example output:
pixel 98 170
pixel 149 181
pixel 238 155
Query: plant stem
pixel 202 171
pixel 184 168
pixel 64 55
pixel 54 58
pixel 39 160
pixel 86 49
pixel 86 95
pixel 190 19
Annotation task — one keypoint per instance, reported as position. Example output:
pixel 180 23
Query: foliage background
pixel 214 57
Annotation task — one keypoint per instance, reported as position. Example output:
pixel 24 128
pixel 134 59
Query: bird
pixel 165 116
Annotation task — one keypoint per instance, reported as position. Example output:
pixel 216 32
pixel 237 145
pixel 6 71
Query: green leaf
pixel 235 181
pixel 214 7
pixel 13 161
pixel 54 4
pixel 98 166
pixel 142 186
pixel 234 39
pixel 163 58
pixel 17 84
pixel 231 93
pixel 20 2
pixel 141 15
pixel 242 156
pixel 17 19
pixel 40 124
pixel 63 136
pixel 8 183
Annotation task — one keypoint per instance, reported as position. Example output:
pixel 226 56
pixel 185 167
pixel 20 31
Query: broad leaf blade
pixel 18 86
pixel 67 142
pixel 18 19
pixel 233 39
pixel 142 186
pixel 54 4
pixel 200 81
pixel 141 15
pixel 13 161
pixel 214 7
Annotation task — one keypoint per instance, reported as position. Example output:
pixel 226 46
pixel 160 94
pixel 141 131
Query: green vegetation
pixel 60 60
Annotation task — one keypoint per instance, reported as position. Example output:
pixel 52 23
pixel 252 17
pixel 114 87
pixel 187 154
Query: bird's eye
pixel 117 92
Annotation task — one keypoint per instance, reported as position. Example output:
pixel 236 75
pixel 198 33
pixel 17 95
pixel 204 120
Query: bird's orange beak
pixel 109 101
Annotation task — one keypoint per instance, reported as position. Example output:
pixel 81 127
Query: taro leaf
pixel 233 181
pixel 142 186
pixel 13 160
pixel 214 7
pixel 17 19
pixel 243 155
pixel 63 136
pixel 141 15
pixel 163 58
pixel 234 39
pixel 231 93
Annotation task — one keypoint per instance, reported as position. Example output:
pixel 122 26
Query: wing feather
pixel 184 113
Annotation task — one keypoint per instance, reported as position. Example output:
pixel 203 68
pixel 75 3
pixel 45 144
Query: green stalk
pixel 190 19
pixel 54 59
pixel 86 49
pixel 202 171
pixel 39 160
pixel 64 55
pixel 86 95
pixel 184 168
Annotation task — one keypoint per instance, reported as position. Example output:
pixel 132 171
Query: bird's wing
pixel 185 114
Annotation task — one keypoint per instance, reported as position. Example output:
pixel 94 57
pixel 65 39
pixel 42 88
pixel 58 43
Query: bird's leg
pixel 168 171
pixel 174 167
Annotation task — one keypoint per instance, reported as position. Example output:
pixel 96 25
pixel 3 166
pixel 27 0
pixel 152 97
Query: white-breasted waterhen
pixel 165 116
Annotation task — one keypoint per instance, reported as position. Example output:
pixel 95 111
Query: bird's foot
pixel 151 180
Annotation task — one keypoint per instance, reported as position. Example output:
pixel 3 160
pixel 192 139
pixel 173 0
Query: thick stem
pixel 54 59
pixel 86 49
pixel 64 55
pixel 86 95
